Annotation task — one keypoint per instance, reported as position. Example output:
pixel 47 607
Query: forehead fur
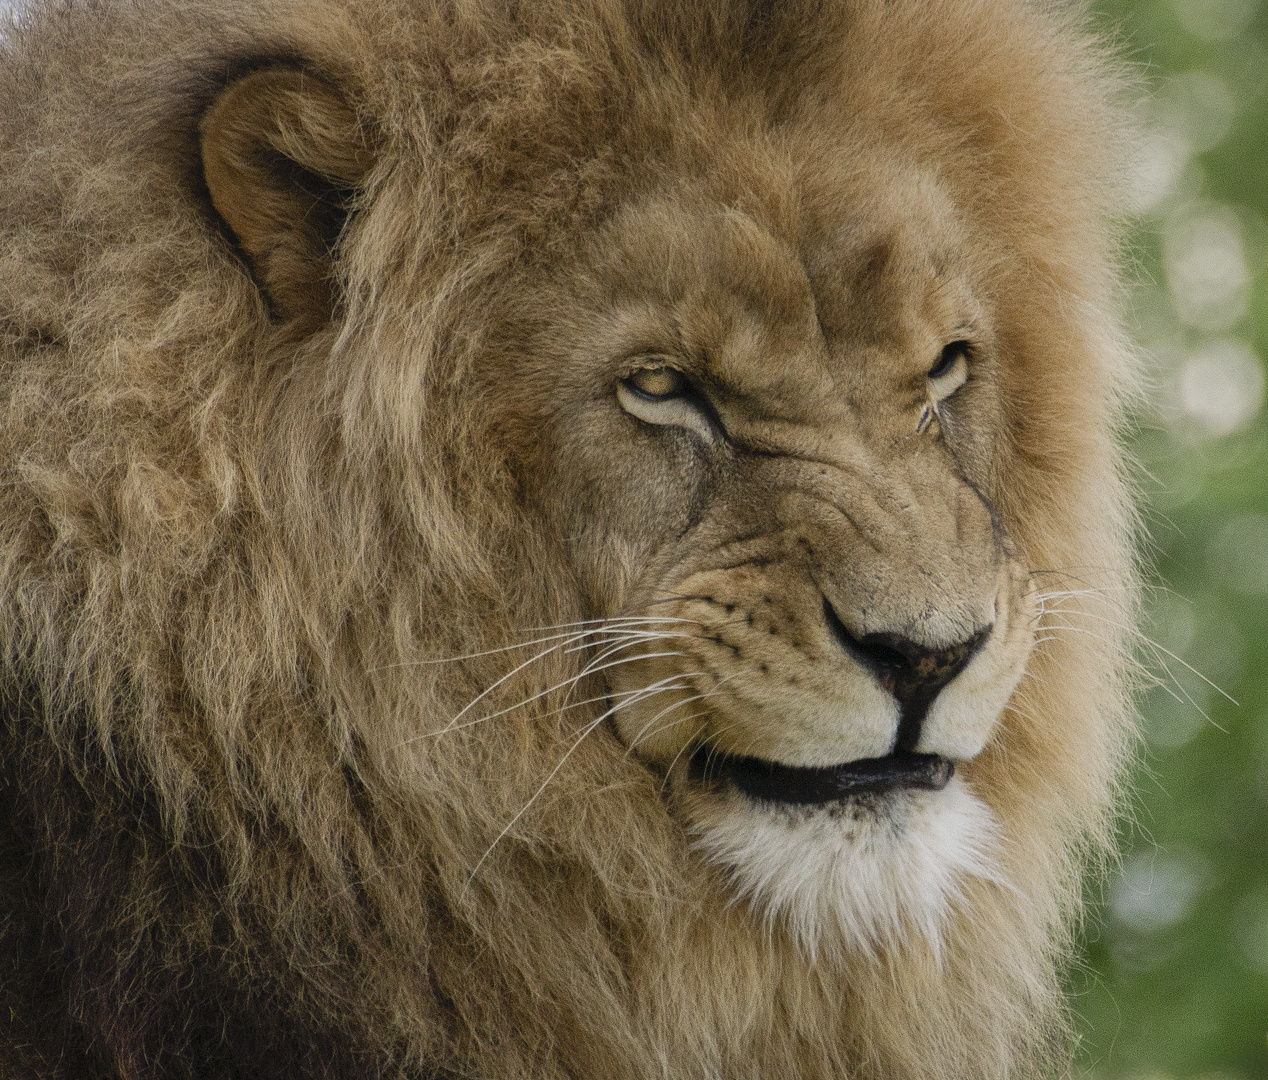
pixel 536 122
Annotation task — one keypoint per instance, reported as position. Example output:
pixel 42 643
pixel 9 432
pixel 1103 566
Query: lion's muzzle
pixel 914 673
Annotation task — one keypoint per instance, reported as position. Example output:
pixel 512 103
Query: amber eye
pixel 657 383
pixel 949 358
pixel 664 396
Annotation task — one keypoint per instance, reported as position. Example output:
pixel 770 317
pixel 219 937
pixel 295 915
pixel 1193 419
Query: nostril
pixel 917 664
pixel 915 674
pixel 881 652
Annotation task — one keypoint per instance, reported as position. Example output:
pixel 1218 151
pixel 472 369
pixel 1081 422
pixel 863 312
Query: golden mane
pixel 253 575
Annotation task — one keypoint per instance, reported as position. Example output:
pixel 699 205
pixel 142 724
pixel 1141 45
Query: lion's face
pixel 765 437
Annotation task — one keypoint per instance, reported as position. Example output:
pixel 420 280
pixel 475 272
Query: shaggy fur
pixel 263 531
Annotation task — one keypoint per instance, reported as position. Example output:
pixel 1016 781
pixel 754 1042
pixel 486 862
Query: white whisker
pixel 611 621
pixel 681 750
pixel 489 689
pixel 453 725
pixel 711 692
pixel 628 636
pixel 1143 639
pixel 620 623
pixel 553 712
pixel 589 727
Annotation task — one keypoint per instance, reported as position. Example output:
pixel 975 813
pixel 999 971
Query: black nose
pixel 915 674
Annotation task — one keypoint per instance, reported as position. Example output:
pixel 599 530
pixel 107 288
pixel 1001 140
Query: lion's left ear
pixel 282 156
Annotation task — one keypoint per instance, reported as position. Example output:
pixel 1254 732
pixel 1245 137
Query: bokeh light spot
pixel 1199 107
pixel 1250 931
pixel 1238 555
pixel 1214 20
pixel 1206 269
pixel 1155 891
pixel 1160 160
pixel 1221 386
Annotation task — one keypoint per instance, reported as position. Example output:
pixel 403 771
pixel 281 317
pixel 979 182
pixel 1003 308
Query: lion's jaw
pixel 822 580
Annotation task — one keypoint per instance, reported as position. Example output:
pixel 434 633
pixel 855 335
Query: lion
pixel 571 539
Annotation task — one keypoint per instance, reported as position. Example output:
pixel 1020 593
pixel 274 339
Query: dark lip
pixel 773 782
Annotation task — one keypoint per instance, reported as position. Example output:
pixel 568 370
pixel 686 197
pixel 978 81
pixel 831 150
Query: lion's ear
pixel 282 156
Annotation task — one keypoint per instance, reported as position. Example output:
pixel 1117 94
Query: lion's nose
pixel 915 674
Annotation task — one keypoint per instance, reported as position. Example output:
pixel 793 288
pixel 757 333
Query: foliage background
pixel 1175 977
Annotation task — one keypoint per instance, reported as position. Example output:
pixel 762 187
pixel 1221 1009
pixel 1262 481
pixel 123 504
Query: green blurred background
pixel 1174 979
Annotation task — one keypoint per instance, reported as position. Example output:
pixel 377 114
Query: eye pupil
pixel 948 358
pixel 657 382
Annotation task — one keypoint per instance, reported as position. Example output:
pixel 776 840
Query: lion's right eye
pixel 657 383
pixel 664 396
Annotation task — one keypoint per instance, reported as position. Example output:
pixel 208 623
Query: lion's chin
pixel 858 876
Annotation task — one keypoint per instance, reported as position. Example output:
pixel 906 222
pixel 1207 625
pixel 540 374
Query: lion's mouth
pixel 774 782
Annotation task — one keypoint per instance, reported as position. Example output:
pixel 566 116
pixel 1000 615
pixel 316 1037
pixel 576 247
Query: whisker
pixel 681 750
pixel 516 670
pixel 629 637
pixel 477 655
pixel 713 690
pixel 620 623
pixel 1183 695
pixel 489 689
pixel 553 712
pixel 612 621
pixel 609 649
pixel 612 635
pixel 569 682
pixel 625 694
pixel 524 809
pixel 712 738
pixel 1144 639
pixel 675 723
pixel 1189 697
pixel 667 709
pixel 545 783
pixel 1130 658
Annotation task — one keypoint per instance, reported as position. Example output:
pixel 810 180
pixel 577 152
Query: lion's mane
pixel 247 576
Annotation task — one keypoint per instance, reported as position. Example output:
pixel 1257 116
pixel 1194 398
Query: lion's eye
pixel 664 395
pixel 951 371
pixel 657 383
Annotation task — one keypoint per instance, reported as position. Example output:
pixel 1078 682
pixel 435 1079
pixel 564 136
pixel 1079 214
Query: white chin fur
pixel 855 877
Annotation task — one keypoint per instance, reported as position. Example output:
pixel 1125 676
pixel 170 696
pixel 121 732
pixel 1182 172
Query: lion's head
pixel 566 539
pixel 767 423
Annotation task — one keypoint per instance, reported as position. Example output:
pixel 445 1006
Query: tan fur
pixel 269 508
